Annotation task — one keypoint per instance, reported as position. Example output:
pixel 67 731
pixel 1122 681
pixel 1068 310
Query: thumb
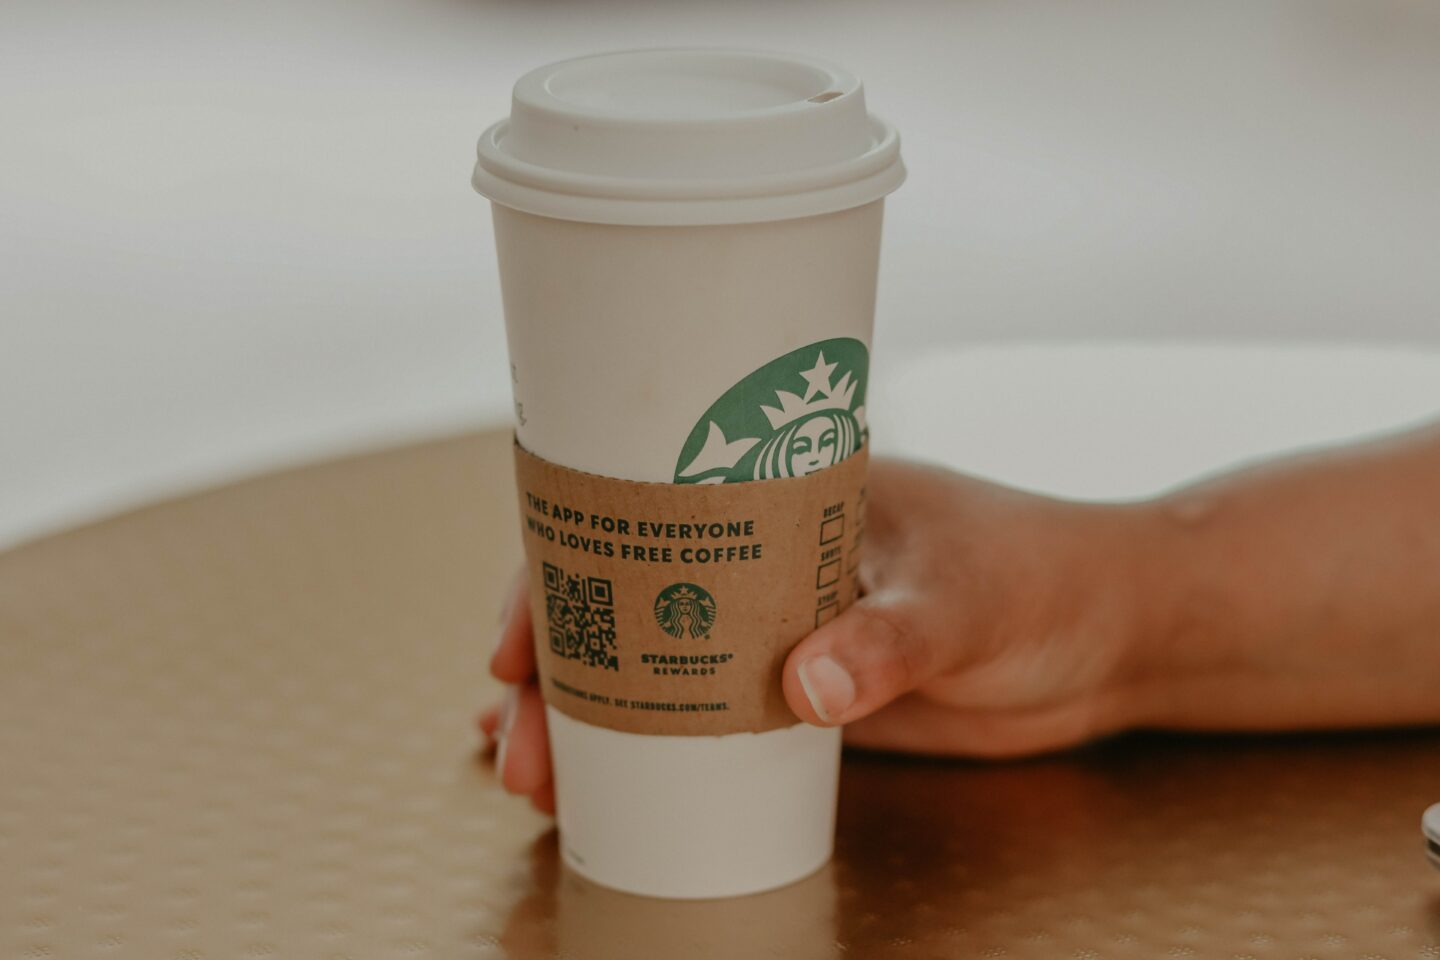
pixel 858 662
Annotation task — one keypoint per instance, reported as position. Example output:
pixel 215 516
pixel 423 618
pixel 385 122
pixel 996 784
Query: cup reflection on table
pixel 568 916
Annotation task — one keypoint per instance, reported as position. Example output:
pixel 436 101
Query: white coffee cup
pixel 668 222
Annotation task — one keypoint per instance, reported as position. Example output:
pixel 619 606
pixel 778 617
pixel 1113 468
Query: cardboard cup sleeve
pixel 670 608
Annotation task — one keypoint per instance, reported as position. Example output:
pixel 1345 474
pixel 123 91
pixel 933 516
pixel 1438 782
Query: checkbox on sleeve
pixel 828 574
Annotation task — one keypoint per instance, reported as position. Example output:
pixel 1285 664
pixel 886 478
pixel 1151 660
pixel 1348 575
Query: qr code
pixel 581 615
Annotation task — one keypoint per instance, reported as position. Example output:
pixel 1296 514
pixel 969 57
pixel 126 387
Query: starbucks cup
pixel 688 244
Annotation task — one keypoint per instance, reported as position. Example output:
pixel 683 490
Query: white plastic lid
pixel 688 136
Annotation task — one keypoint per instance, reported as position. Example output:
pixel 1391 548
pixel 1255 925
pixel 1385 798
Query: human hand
pixel 993 623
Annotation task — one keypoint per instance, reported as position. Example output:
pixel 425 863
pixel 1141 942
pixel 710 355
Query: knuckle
pixel 896 635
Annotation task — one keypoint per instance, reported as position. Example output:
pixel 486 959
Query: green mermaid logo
pixel 685 609
pixel 797 414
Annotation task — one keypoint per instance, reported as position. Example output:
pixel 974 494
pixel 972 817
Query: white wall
pixel 238 234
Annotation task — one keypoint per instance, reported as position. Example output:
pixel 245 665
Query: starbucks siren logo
pixel 683 609
pixel 815 419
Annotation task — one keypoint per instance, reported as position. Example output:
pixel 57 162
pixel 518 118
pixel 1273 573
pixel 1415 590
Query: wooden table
pixel 239 725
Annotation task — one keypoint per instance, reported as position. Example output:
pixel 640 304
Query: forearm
pixel 1301 594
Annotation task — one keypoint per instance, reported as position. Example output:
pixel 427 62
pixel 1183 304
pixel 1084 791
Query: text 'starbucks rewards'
pixel 688 243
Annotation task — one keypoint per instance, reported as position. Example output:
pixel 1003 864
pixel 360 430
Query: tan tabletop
pixel 239 725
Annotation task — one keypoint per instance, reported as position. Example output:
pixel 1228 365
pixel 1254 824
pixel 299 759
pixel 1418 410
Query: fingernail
pixel 828 686
pixel 502 732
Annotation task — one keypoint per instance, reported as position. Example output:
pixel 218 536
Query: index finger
pixel 514 658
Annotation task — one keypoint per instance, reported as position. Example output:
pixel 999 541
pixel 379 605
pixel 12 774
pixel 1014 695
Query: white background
pixel 234 235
